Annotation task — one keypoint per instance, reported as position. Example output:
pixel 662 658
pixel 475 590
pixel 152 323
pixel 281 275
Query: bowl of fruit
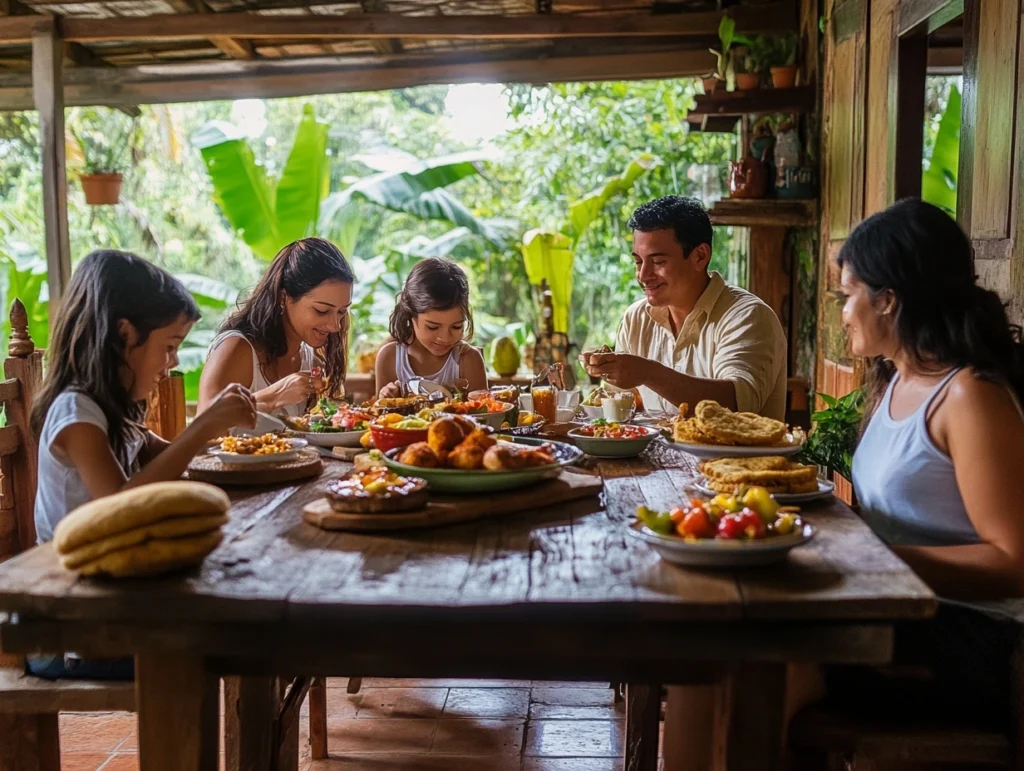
pixel 726 531
pixel 393 430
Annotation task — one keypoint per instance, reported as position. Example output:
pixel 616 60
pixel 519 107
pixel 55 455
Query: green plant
pixel 834 436
pixel 724 69
pixel 939 181
pixel 783 50
pixel 103 137
pixel 757 59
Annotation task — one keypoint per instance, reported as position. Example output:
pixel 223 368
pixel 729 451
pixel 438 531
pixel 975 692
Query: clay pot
pixel 101 189
pixel 748 81
pixel 710 84
pixel 748 178
pixel 784 77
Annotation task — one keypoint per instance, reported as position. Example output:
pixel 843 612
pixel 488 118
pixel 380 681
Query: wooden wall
pixel 861 96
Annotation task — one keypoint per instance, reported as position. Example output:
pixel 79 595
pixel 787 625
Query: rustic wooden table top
pixel 556 567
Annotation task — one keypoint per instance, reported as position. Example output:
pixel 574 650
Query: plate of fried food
pixel 787 481
pixel 399 405
pixel 724 531
pixel 715 431
pixel 256 450
pixel 460 456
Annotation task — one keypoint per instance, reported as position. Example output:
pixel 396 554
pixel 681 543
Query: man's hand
pixel 622 370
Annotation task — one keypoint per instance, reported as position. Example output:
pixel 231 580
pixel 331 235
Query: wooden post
pixel 643 710
pixel 48 93
pixel 24 364
pixel 165 411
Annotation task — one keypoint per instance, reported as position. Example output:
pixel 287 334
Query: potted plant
pixel 104 138
pixel 725 68
pixel 783 61
pixel 834 436
pixel 754 60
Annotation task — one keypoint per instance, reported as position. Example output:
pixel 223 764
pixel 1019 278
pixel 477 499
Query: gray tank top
pixel 905 485
pixel 259 379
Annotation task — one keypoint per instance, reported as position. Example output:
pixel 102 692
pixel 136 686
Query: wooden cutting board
pixel 451 509
pixel 206 468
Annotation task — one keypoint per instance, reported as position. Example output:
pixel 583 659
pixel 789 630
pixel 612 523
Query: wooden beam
pixel 374 26
pixel 266 80
pixel 235 49
pixel 945 61
pixel 21 29
pixel 48 92
pixel 928 14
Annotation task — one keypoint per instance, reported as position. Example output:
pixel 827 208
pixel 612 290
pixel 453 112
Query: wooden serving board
pixel 451 509
pixel 206 468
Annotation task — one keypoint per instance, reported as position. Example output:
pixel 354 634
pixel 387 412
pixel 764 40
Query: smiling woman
pixel 294 323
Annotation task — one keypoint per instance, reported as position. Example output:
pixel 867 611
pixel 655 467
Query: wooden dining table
pixel 557 593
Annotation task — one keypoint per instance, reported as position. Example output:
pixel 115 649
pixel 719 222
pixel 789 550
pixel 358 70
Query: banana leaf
pixel 209 292
pixel 938 184
pixel 304 180
pixel 240 187
pixel 584 211
pixel 24 278
pixel 549 256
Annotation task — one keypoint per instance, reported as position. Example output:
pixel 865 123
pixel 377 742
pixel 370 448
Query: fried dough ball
pixel 445 434
pixel 480 438
pixel 510 457
pixel 419 454
pixel 466 457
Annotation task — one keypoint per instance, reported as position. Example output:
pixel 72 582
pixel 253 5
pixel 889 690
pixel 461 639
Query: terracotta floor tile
pixel 95 732
pixel 487 702
pixel 572 764
pixel 487 738
pixel 400 702
pixel 82 761
pixel 385 735
pixel 412 762
pixel 122 762
pixel 575 738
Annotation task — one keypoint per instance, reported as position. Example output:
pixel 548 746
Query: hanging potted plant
pixel 783 61
pixel 104 140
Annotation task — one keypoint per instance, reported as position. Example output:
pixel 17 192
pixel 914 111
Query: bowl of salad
pixel 486 412
pixel 392 431
pixel 330 424
pixel 605 439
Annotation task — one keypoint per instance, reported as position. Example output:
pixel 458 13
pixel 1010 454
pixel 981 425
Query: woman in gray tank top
pixel 940 452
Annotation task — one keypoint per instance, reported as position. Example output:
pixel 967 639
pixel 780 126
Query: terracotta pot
pixel 748 178
pixel 101 189
pixel 710 84
pixel 784 77
pixel 748 81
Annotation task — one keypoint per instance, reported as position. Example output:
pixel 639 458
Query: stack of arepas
pixel 144 531
pixel 774 473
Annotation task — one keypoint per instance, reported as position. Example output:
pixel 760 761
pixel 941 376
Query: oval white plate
pixel 234 459
pixel 712 451
pixel 825 489
pixel 719 553
pixel 331 438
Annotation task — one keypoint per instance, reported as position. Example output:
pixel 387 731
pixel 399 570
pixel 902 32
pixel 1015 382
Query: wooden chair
pixel 29 705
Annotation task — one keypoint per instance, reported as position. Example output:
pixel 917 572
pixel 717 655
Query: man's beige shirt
pixel 729 335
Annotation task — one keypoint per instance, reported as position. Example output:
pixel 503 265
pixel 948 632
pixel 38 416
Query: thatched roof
pixel 144 51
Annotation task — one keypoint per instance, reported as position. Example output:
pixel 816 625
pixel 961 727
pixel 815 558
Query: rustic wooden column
pixel 48 93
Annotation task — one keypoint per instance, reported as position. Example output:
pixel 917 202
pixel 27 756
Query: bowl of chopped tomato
pixel 605 439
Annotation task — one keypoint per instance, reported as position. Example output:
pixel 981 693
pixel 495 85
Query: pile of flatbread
pixel 714 424
pixel 774 473
pixel 145 531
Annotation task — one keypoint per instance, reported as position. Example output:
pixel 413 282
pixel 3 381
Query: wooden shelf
pixel 720 111
pixel 770 212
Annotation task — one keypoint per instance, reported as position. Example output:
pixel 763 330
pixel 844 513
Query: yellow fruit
pixel 727 503
pixel 505 357
pixel 761 501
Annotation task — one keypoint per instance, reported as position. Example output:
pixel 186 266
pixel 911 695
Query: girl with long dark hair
pixel 287 342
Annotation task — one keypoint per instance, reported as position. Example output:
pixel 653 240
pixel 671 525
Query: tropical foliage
pixel 942 143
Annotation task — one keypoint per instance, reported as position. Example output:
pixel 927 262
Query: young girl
pixel 117 334
pixel 430 325
pixel 293 324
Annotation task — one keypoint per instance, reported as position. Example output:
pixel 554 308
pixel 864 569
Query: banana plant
pixel 938 184
pixel 549 255
pixel 268 213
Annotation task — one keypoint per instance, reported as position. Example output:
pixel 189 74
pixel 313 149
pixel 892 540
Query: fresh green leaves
pixel 104 137
pixel 938 184
pixel 834 437
pixel 585 210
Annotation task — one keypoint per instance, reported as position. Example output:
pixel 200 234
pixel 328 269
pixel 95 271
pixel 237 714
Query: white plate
pixel 234 459
pixel 720 553
pixel 331 438
pixel 712 451
pixel 825 489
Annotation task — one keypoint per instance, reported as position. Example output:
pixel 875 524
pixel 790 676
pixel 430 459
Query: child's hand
pixel 234 407
pixel 391 391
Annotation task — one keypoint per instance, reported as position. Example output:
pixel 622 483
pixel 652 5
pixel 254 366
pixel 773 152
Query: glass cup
pixel 544 403
pixel 619 408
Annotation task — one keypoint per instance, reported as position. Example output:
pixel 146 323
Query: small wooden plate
pixel 452 509
pixel 206 468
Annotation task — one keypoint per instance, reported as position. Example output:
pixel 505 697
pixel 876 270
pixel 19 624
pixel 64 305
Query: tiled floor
pixel 419 725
